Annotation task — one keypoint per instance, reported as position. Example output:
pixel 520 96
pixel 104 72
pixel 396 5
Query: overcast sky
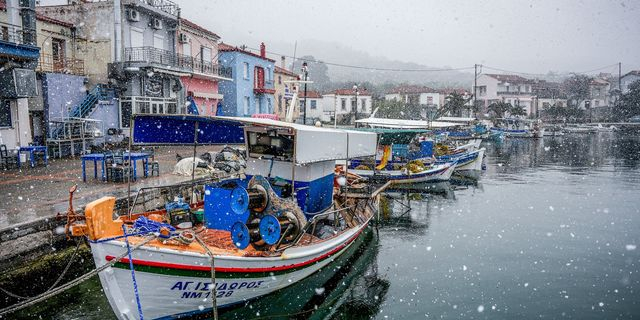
pixel 528 36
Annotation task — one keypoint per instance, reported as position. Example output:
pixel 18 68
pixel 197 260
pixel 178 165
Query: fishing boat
pixel 579 129
pixel 518 128
pixel 287 218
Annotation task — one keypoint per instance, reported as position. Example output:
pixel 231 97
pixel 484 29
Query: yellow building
pixel 283 84
pixel 61 51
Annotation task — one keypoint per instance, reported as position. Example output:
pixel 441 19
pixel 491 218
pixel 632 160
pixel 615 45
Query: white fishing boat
pixel 518 128
pixel 579 129
pixel 282 223
pixel 430 173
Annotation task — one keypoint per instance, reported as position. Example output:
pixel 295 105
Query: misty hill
pixel 337 53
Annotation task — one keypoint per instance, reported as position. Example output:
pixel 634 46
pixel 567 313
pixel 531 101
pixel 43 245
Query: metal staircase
pixel 81 111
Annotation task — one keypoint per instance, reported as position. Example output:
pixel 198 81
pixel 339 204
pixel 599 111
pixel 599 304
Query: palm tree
pixel 454 104
pixel 517 111
pixel 498 109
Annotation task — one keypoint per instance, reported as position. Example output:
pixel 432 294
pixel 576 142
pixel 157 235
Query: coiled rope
pixel 72 283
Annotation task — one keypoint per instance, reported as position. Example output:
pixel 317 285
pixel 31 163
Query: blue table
pixel 95 157
pixel 32 150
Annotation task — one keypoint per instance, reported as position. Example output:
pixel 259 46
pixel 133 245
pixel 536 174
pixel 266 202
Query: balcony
pixel 144 56
pixel 514 93
pixel 48 63
pixel 17 43
pixel 211 69
pixel 164 6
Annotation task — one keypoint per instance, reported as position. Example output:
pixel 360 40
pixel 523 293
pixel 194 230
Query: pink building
pixel 199 48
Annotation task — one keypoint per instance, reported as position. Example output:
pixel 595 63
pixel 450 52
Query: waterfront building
pixel 315 112
pixel 629 78
pixel 427 98
pixel 513 89
pixel 252 89
pixel 342 105
pixel 285 88
pixel 132 48
pixel 201 47
pixel 19 54
pixel 546 95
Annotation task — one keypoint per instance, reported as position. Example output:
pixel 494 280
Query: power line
pixel 365 67
pixel 544 75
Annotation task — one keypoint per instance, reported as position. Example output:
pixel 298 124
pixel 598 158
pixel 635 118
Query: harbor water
pixel 550 230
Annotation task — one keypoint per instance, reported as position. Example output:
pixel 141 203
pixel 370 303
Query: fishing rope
pixel 133 273
pixel 214 301
pixel 66 268
pixel 72 283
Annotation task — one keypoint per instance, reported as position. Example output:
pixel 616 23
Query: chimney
pixel 282 62
pixel 263 50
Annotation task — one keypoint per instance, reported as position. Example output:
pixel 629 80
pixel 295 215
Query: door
pixel 259 80
pixel 57 54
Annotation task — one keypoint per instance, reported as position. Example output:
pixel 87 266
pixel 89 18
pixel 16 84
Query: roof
pixel 229 48
pixel 448 91
pixel 351 92
pixel 412 89
pixel 41 17
pixel 394 136
pixel 406 124
pixel 509 78
pixel 632 73
pixel 598 82
pixel 194 26
pixel 311 95
pixel 284 71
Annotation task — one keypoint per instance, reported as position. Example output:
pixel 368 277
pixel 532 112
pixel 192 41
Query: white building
pixel 415 95
pixel 628 79
pixel 342 103
pixel 315 110
pixel 512 89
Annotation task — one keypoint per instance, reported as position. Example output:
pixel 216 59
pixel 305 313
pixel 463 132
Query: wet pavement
pixel 31 193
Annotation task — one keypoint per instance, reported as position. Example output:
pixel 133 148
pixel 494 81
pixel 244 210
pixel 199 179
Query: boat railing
pixel 312 224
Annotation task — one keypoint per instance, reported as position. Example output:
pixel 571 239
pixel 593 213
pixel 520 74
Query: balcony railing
pixel 162 57
pixel 48 63
pixel 165 6
pixel 514 93
pixel 17 34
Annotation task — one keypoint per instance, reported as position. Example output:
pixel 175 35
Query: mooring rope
pixel 72 283
pixel 133 273
pixel 214 300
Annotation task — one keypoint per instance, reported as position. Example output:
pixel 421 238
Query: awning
pixel 207 95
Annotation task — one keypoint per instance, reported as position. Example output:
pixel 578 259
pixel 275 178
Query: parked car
pixel 634 119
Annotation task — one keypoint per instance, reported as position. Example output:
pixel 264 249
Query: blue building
pixel 251 91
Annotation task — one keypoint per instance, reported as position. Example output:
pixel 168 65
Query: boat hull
pixel 173 283
pixel 438 173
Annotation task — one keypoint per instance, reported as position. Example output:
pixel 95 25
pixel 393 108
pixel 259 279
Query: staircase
pixel 99 92
pixel 81 111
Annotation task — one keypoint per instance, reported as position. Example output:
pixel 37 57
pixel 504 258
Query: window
pixel 246 105
pixel 58 54
pixel 205 53
pixel 268 75
pixel 429 100
pixel 258 82
pixel 125 114
pixel 137 38
pixel 344 104
pixel 245 70
pixel 313 104
pixel 158 41
pixel 5 113
pixel 258 105
pixel 363 104
pixel 279 79
pixel 280 103
pixel 186 49
pixel 354 104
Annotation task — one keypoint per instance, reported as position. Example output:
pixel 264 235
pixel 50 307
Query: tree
pixel 517 111
pixel 577 87
pixel 629 103
pixel 454 103
pixel 499 109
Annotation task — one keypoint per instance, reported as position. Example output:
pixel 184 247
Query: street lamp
pixel 305 71
pixel 355 107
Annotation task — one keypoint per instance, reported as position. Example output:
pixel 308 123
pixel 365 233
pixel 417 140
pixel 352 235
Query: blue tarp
pixel 152 129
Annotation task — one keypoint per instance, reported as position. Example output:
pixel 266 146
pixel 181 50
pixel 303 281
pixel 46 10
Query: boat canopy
pixel 406 124
pixel 457 119
pixel 313 144
pixel 394 136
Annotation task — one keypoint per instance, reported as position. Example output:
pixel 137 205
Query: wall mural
pixel 153 86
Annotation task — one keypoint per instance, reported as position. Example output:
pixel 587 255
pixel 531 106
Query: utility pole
pixel 475 83
pixel 620 76
pixel 355 107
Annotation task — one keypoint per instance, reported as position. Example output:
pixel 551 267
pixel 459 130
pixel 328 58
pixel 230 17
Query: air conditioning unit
pixel 183 38
pixel 156 23
pixel 133 15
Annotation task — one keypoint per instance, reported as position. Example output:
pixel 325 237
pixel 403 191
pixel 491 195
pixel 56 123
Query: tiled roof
pixel 351 92
pixel 198 28
pixel 412 89
pixel 311 95
pixel 284 71
pixel 225 47
pixel 509 78
pixel 447 91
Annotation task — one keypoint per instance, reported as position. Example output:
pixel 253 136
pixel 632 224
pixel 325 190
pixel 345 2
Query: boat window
pixel 266 144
